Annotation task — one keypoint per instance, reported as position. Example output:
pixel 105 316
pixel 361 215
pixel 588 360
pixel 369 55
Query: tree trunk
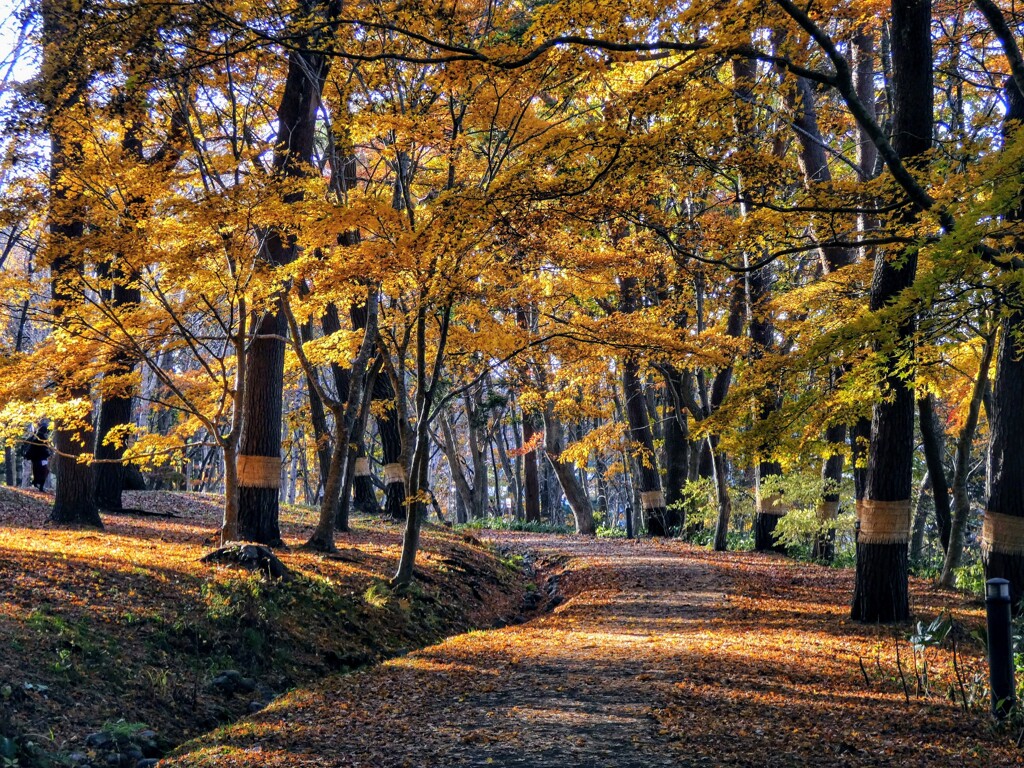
pixel 115 407
pixel 860 439
pixel 721 543
pixel 318 419
pixel 770 507
pixel 920 520
pixel 259 474
pixel 962 468
pixel 363 496
pixel 426 384
pixel 451 452
pixel 229 527
pixel 1002 538
pixel 815 168
pixel 574 492
pixel 677 444
pixel 880 591
pixel 823 546
pixel 1003 529
pixel 531 478
pixel 712 402
pixel 656 517
pixel 347 413
pixel 933 438
pixel 73 499
pixel 259 460
pixel 108 473
pixel 515 492
pixel 390 429
pixel 322 539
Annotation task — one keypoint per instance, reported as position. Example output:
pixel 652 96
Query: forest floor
pixel 119 644
pixel 659 654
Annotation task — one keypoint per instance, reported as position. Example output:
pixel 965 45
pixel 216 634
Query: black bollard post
pixel 629 521
pixel 1000 646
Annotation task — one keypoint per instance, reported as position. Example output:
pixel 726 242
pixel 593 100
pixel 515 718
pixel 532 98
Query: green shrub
pixel 798 528
pixel 512 524
pixel 971 578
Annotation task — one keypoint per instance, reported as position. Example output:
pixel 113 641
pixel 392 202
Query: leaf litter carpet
pixel 659 654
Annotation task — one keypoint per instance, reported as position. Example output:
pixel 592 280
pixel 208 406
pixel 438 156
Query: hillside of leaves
pixel 125 630
pixel 661 654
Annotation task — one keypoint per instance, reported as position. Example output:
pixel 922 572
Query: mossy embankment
pixel 125 630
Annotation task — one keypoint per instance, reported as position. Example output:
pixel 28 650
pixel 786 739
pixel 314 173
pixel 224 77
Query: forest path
pixel 661 654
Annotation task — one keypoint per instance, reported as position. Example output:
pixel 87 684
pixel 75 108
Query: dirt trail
pixel 659 655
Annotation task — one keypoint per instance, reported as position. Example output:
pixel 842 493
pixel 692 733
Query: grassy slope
pixel 97 627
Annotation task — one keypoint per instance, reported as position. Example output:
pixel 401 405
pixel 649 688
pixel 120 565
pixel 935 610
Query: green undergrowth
pixel 512 524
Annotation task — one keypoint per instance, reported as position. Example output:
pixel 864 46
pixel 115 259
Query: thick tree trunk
pixel 73 500
pixel 115 409
pixel 880 591
pixel 259 459
pixel 677 462
pixel 108 472
pixel 770 507
pixel 390 429
pixel 1003 529
pixel 705 460
pixel 260 446
pixel 363 496
pixel 1002 539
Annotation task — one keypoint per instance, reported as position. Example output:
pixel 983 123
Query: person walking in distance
pixel 38 452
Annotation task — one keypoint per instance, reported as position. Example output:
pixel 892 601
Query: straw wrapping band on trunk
pixel 362 467
pixel 827 510
pixel 259 471
pixel 394 473
pixel 773 505
pixel 1002 534
pixel 883 522
pixel 652 499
